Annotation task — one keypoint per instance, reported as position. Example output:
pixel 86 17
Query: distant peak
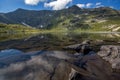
pixel 20 9
pixel 74 7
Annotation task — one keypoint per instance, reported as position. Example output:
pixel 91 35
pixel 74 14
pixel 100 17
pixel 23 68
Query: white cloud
pixel 91 5
pixel 88 5
pixel 98 3
pixel 33 2
pixel 81 5
pixel 58 5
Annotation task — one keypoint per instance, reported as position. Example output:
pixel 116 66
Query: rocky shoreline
pixel 85 64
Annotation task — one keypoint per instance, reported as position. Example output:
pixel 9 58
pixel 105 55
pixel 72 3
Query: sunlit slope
pixel 70 19
pixel 15 28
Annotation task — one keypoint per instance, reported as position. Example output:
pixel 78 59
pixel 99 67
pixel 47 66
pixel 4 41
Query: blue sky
pixel 11 5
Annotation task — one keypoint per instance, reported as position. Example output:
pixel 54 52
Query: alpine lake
pixel 55 41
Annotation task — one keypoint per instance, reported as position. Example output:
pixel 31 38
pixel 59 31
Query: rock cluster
pixel 111 54
pixel 59 65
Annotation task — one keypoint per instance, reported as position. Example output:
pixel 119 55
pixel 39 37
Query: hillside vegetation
pixel 15 28
pixel 73 19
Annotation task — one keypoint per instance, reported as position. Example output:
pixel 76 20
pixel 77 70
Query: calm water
pixel 54 41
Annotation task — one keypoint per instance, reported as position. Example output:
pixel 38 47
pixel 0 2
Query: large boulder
pixel 93 67
pixel 111 54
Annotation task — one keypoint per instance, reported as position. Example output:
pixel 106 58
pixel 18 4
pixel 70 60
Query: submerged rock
pixel 84 47
pixel 50 65
pixel 11 56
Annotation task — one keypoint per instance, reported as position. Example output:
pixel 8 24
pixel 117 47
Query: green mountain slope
pixel 73 18
pixel 15 28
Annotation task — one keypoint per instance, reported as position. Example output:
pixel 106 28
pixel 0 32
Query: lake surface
pixel 54 41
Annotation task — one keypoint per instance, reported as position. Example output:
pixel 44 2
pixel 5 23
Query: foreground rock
pixel 54 65
pixel 111 54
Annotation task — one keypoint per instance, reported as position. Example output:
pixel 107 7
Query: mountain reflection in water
pixel 55 41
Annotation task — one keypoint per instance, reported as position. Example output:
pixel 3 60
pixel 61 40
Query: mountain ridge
pixel 72 17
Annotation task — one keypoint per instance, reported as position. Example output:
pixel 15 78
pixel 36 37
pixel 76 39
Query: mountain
pixel 30 17
pixel 70 18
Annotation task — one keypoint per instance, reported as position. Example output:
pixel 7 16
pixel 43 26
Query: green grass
pixel 54 30
pixel 101 27
pixel 15 28
pixel 104 26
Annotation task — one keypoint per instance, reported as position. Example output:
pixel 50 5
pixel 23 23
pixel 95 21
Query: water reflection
pixel 9 56
pixel 8 36
pixel 54 41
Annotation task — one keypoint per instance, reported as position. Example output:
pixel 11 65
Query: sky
pixel 11 5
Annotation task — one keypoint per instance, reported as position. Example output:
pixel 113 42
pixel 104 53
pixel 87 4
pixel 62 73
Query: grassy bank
pixel 16 28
